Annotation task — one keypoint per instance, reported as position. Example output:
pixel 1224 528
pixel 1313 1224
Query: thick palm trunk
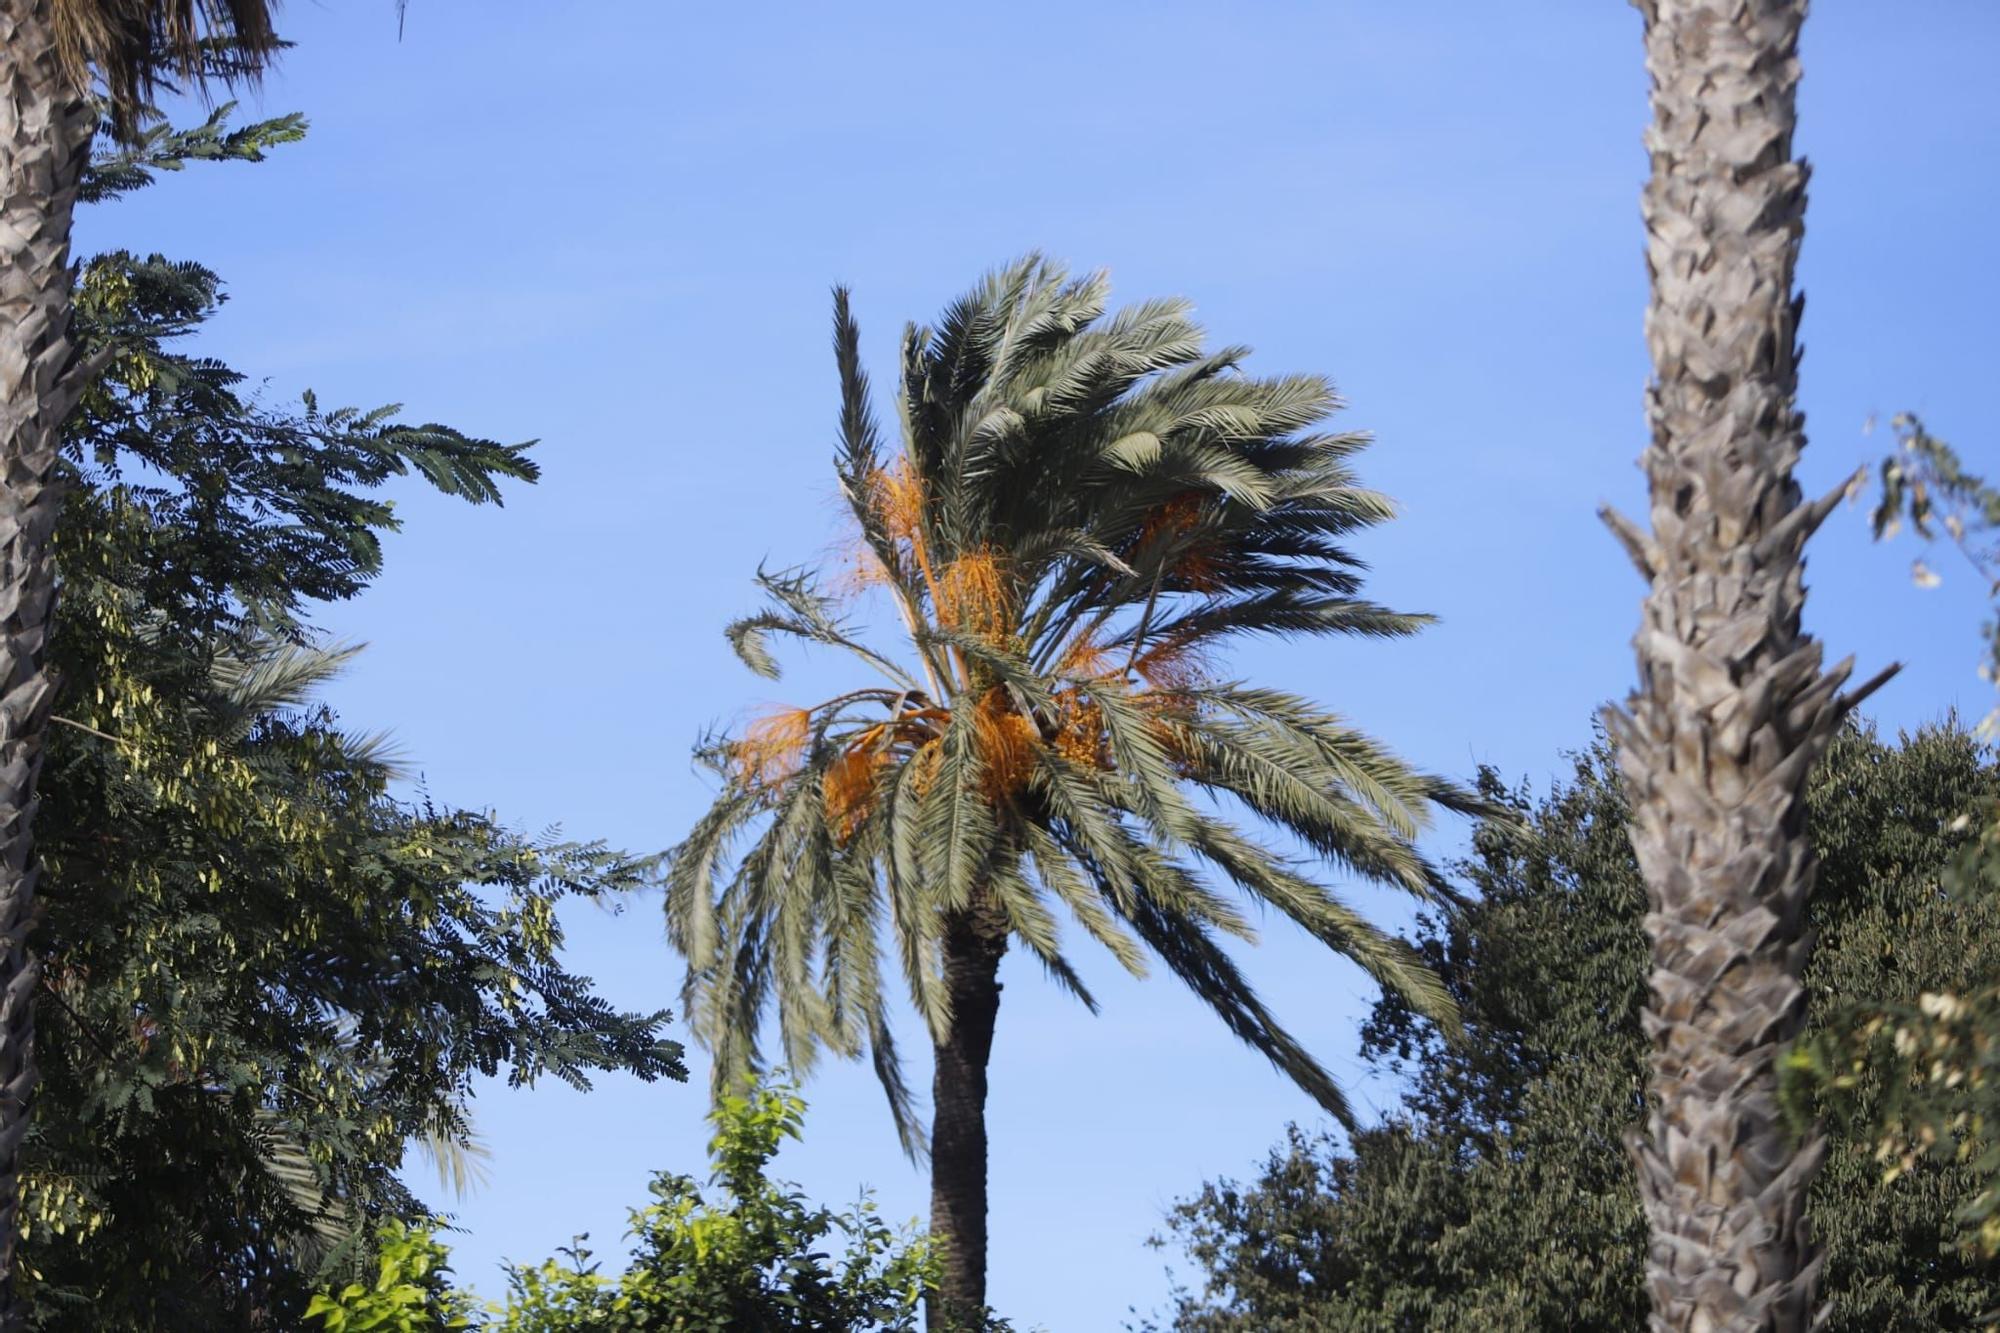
pixel 973 945
pixel 1732 708
pixel 44 139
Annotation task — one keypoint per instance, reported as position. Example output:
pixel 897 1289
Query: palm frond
pixel 1206 970
pixel 860 447
pixel 802 612
pixel 1032 924
pixel 460 1159
pixel 1077 513
pixel 1391 961
pixel 1054 869
pixel 902 1105
pixel 956 824
pixel 285 676
pixel 331 1222
pixel 135 45
pixel 914 918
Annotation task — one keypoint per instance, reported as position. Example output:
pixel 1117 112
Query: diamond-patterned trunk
pixel 45 131
pixel 1732 708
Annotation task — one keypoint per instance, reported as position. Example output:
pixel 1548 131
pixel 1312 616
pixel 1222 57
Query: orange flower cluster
pixel 1006 742
pixel 1085 657
pixel 1079 734
pixel 896 495
pixel 924 766
pixel 772 749
pixel 972 597
pixel 1182 514
pixel 859 568
pixel 849 788
pixel 1171 666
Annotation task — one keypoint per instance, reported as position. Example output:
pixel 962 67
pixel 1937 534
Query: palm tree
pixel 1082 513
pixel 1732 708
pixel 52 53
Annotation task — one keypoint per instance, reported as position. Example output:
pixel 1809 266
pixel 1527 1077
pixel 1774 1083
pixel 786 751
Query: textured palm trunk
pixel 45 131
pixel 974 943
pixel 1732 708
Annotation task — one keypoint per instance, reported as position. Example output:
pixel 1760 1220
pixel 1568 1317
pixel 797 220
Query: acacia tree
pixel 51 51
pixel 1080 514
pixel 264 979
pixel 1732 707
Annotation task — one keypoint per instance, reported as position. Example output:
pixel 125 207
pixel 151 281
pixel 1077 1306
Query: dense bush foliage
pixel 1935 1053
pixel 1502 1197
pixel 749 1253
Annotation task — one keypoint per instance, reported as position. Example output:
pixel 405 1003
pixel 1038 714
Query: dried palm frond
pixel 135 46
pixel 772 748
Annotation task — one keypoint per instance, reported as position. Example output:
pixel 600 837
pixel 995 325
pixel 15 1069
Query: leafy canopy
pixel 751 1254
pixel 266 978
pixel 1500 1198
pixel 410 1294
pixel 1081 512
pixel 1934 1050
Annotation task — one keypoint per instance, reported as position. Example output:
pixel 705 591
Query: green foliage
pixel 755 1254
pixel 1082 512
pixel 749 1253
pixel 1501 1197
pixel 252 510
pixel 265 978
pixel 409 1294
pixel 1920 1070
pixel 156 146
pixel 1925 483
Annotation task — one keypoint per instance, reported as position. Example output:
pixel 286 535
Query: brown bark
pixel 1732 708
pixel 974 942
pixel 45 131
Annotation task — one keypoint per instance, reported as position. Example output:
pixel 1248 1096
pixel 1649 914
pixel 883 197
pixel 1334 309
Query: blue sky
pixel 612 227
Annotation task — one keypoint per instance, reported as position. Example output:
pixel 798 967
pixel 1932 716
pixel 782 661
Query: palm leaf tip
pixel 859 440
pixel 750 638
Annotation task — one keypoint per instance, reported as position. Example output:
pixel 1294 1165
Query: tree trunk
pixel 974 942
pixel 45 131
pixel 1732 708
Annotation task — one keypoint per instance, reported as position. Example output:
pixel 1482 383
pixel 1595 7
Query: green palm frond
pixel 267 683
pixel 1192 955
pixel 1075 514
pixel 460 1159
pixel 956 824
pixel 913 905
pixel 331 1225
pixel 286 676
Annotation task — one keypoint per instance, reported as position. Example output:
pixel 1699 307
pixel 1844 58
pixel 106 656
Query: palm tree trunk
pixel 1732 708
pixel 45 131
pixel 974 942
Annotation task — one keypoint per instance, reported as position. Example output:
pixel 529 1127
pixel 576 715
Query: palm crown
pixel 1081 512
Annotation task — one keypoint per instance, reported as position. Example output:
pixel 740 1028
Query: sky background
pixel 612 227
